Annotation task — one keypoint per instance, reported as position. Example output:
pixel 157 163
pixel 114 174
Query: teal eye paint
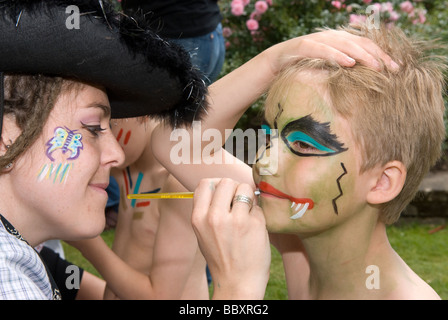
pixel 300 136
pixel 314 133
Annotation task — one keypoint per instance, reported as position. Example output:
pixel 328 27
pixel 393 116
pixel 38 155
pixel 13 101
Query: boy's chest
pixel 132 181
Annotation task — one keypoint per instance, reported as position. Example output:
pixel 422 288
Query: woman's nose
pixel 113 153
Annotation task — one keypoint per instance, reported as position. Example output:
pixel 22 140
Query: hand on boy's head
pixel 339 46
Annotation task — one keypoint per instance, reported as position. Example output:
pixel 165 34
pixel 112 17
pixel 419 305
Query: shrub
pixel 250 26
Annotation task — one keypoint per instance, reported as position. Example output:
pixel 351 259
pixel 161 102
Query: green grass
pixel 425 253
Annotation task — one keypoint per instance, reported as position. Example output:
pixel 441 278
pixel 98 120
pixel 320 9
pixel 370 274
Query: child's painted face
pixel 133 135
pixel 63 175
pixel 316 179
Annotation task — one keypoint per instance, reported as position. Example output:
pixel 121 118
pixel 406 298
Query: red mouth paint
pixel 268 189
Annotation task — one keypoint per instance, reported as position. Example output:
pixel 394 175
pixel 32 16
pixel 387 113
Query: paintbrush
pixel 167 195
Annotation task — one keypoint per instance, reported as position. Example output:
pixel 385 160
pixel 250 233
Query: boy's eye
pixel 307 137
pixel 302 144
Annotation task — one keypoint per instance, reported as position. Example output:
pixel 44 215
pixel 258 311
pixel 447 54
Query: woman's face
pixel 63 176
pixel 316 182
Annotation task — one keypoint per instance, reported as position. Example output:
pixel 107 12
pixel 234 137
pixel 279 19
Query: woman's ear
pixel 10 132
pixel 389 182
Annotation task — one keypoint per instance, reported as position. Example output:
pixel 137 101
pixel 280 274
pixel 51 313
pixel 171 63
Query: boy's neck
pixel 340 258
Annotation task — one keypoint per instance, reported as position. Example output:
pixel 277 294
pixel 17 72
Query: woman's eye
pixel 93 129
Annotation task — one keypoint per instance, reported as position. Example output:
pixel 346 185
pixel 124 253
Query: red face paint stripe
pixel 143 204
pixel 126 138
pixel 267 188
pixel 119 134
pixel 126 182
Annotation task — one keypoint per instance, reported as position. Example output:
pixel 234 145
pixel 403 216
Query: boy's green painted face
pixel 314 185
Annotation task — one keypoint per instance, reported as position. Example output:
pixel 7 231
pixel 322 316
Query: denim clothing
pixel 207 52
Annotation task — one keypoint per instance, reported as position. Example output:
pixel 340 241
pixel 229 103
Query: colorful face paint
pixel 299 205
pixel 65 140
pixel 307 133
pixel 126 138
pixel 129 186
pixel 59 173
pixel 335 207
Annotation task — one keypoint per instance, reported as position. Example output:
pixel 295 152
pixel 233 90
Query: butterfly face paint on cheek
pixel 65 140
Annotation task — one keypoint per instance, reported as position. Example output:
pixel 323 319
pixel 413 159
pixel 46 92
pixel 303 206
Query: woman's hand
pixel 233 238
pixel 339 46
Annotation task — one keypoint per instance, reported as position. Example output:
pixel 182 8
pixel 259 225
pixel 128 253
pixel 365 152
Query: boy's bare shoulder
pixel 413 288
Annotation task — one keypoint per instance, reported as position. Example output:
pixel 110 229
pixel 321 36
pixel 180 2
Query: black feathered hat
pixel 142 73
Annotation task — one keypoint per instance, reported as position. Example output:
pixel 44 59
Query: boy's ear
pixel 390 180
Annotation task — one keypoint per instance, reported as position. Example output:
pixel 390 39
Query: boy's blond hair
pixel 393 115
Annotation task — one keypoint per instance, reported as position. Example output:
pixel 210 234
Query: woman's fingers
pixel 233 238
pixel 339 46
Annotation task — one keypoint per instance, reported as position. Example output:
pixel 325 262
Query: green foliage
pixel 285 19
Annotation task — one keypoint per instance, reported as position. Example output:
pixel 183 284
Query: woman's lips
pixel 101 187
pixel 308 204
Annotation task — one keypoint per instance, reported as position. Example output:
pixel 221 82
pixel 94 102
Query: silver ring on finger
pixel 244 199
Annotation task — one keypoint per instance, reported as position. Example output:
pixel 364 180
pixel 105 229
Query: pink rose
pixel 237 8
pixel 252 24
pixel 246 2
pixel 226 32
pixel 422 16
pixel 394 16
pixel 366 1
pixel 387 6
pixel 261 7
pixel 406 6
pixel 357 19
pixel 336 4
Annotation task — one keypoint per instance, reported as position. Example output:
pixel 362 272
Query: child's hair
pixel 394 115
pixel 30 99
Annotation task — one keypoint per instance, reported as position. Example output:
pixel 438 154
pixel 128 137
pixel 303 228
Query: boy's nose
pixel 267 159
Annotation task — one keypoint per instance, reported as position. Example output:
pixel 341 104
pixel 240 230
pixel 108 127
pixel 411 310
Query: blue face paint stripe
pixel 300 136
pixel 137 187
pixel 266 128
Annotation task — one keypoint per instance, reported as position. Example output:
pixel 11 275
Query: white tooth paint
pixel 293 204
pixel 301 212
pixel 298 206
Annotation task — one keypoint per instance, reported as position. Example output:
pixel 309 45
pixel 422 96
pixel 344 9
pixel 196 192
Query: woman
pixel 56 100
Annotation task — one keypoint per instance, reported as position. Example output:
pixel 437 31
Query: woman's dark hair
pixel 29 99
